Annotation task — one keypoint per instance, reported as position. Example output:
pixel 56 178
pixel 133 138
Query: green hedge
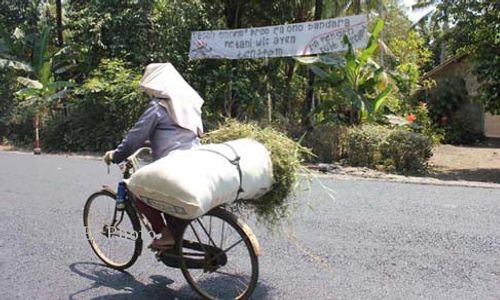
pixel 328 142
pixel 392 149
pixel 363 145
pixel 406 152
pixel 398 150
pixel 99 112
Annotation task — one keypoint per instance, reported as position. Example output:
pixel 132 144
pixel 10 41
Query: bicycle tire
pixel 188 263
pixel 128 212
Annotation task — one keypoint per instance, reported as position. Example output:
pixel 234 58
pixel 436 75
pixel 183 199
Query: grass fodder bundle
pixel 286 156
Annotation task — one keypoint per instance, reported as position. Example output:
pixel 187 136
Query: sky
pixel 414 15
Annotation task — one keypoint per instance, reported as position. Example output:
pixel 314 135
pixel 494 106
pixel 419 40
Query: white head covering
pixel 181 101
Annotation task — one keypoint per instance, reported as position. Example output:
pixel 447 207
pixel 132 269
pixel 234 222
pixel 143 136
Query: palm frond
pixel 28 93
pixel 40 52
pixel 60 84
pixel 16 65
pixel 59 95
pixel 30 83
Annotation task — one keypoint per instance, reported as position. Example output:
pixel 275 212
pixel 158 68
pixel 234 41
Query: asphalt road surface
pixel 373 240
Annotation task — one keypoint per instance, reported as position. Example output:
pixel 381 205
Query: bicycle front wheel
pixel 219 256
pixel 114 235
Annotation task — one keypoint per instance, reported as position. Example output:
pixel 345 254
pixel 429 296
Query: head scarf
pixel 181 101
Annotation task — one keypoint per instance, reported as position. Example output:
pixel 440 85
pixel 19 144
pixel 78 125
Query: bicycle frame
pixel 131 165
pixel 196 251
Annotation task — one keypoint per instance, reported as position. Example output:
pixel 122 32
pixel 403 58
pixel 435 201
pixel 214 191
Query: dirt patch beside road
pixel 470 163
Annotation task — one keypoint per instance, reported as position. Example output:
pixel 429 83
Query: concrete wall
pixel 460 68
pixel 472 110
pixel 491 125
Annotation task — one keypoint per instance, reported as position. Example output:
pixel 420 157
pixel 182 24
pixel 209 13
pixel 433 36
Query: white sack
pixel 188 183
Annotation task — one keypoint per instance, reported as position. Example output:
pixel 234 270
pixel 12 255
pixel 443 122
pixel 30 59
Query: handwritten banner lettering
pixel 277 41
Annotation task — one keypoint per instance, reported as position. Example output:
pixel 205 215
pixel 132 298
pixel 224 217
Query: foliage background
pixel 105 45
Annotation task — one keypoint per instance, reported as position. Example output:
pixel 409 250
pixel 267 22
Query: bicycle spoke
pixel 215 257
pixel 242 286
pixel 210 227
pixel 198 237
pixel 121 218
pixel 222 236
pixel 208 235
pixel 232 246
pixel 224 270
pixel 237 277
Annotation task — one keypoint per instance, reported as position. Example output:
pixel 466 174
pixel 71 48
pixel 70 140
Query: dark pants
pixel 153 215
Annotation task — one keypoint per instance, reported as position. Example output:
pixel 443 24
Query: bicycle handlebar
pixel 133 161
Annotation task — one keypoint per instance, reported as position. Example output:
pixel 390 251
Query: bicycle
pixel 202 248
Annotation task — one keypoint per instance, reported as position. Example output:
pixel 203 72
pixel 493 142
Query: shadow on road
pixel 130 288
pixel 480 175
pixel 122 281
pixel 489 143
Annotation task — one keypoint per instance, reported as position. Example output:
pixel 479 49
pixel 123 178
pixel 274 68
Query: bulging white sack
pixel 188 183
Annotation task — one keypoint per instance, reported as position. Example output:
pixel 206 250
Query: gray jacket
pixel 155 125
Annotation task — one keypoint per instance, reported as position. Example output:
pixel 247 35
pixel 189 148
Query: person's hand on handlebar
pixel 108 157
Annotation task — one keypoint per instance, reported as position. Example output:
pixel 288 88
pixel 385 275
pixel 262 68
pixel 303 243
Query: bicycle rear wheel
pixel 219 256
pixel 115 236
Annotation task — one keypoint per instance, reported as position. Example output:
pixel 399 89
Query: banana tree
pixel 354 77
pixel 40 89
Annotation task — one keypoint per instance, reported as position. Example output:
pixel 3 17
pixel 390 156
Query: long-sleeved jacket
pixel 155 125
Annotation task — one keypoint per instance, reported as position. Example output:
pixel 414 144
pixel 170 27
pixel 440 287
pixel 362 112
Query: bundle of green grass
pixel 286 156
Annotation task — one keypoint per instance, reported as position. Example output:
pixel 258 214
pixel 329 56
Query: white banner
pixel 283 40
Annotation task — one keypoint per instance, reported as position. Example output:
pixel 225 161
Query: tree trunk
pixel 60 41
pixel 442 52
pixel 357 7
pixel 309 100
pixel 287 105
pixel 232 11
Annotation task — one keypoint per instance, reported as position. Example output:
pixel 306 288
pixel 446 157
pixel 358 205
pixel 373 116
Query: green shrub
pixel 327 142
pixel 460 131
pixel 392 149
pixel 100 111
pixel 445 103
pixel 363 145
pixel 19 130
pixel 16 121
pixel 446 98
pixel 406 152
pixel 423 124
pixel 6 101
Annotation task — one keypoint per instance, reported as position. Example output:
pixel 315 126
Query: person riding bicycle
pixel 172 121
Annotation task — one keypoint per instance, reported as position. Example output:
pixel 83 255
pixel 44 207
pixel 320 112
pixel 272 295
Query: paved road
pixel 375 240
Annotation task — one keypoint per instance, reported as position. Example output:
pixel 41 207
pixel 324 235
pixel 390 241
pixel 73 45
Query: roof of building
pixel 444 65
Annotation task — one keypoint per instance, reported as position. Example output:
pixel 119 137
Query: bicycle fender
pixel 251 236
pixel 107 188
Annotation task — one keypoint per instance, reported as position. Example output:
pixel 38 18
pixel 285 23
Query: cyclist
pixel 172 121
